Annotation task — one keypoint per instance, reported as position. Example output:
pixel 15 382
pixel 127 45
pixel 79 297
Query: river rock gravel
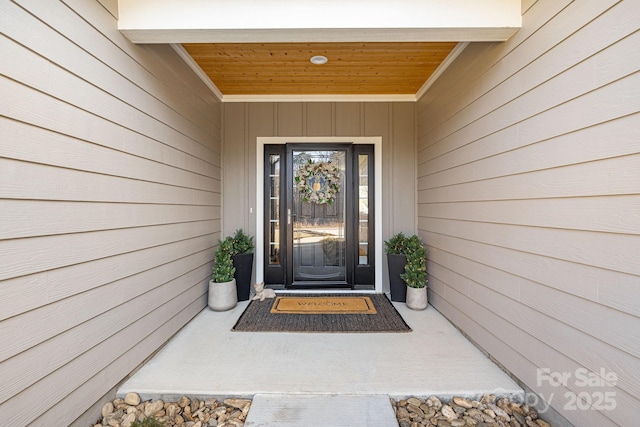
pixel 489 411
pixel 187 412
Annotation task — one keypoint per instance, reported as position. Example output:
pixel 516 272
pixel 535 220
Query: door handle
pixel 288 216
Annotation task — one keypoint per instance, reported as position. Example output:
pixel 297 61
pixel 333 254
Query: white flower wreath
pixel 318 182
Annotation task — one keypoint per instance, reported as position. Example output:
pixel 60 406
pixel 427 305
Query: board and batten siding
pixel 110 205
pixel 243 123
pixel 529 202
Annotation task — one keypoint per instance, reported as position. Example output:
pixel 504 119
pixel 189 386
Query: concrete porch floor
pixel 207 359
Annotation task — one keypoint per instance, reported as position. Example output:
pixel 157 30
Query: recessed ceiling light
pixel 318 60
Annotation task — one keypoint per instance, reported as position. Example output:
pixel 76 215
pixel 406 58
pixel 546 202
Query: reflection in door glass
pixel 274 209
pixel 318 215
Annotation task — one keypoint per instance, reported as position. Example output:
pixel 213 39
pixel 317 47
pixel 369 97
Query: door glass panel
pixel 318 215
pixel 274 209
pixel 363 209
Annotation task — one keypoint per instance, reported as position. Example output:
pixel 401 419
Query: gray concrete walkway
pixel 206 359
pixel 331 410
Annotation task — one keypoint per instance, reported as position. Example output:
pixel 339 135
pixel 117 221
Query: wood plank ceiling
pixel 353 68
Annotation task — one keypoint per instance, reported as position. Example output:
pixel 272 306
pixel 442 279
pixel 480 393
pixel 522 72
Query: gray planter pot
pixel 417 298
pixel 222 296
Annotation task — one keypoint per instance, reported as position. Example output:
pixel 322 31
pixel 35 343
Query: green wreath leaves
pixel 318 182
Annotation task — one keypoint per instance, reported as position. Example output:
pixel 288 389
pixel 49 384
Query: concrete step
pixel 330 410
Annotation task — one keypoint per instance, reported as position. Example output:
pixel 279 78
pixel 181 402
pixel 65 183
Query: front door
pixel 319 216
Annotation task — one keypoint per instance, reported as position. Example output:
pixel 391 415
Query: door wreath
pixel 318 182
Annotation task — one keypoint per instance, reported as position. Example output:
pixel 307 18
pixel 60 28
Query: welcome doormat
pixel 258 316
pixel 323 305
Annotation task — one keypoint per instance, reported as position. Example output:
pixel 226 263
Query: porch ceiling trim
pixel 277 21
pixel 318 98
pixel 318 35
pixel 249 22
pixel 182 52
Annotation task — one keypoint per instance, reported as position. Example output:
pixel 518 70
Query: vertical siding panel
pixel 377 119
pixel 118 143
pixel 290 119
pixel 403 183
pixel 243 123
pixel 347 118
pixel 261 123
pixel 319 118
pixel 234 152
pixel 527 182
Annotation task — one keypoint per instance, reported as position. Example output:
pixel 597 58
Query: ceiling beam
pixel 272 21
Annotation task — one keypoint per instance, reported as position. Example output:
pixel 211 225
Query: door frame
pixel 376 141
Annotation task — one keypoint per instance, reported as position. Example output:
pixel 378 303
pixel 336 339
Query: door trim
pixel 376 141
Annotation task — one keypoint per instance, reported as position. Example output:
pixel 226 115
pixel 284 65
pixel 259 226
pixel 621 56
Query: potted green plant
pixel 222 286
pixel 242 258
pixel 415 274
pixel 406 258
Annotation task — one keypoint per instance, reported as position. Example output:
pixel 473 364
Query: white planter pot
pixel 222 296
pixel 417 298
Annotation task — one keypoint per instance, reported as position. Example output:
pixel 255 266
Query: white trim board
pixel 320 98
pixel 265 21
pixel 182 52
pixel 376 141
pixel 455 52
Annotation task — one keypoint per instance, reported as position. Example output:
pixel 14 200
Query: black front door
pixel 319 216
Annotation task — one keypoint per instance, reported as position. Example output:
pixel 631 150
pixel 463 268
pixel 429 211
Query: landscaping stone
pixel 462 402
pixel 411 412
pixel 186 412
pixel 107 409
pixel 448 412
pixel 132 399
pixel 461 412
